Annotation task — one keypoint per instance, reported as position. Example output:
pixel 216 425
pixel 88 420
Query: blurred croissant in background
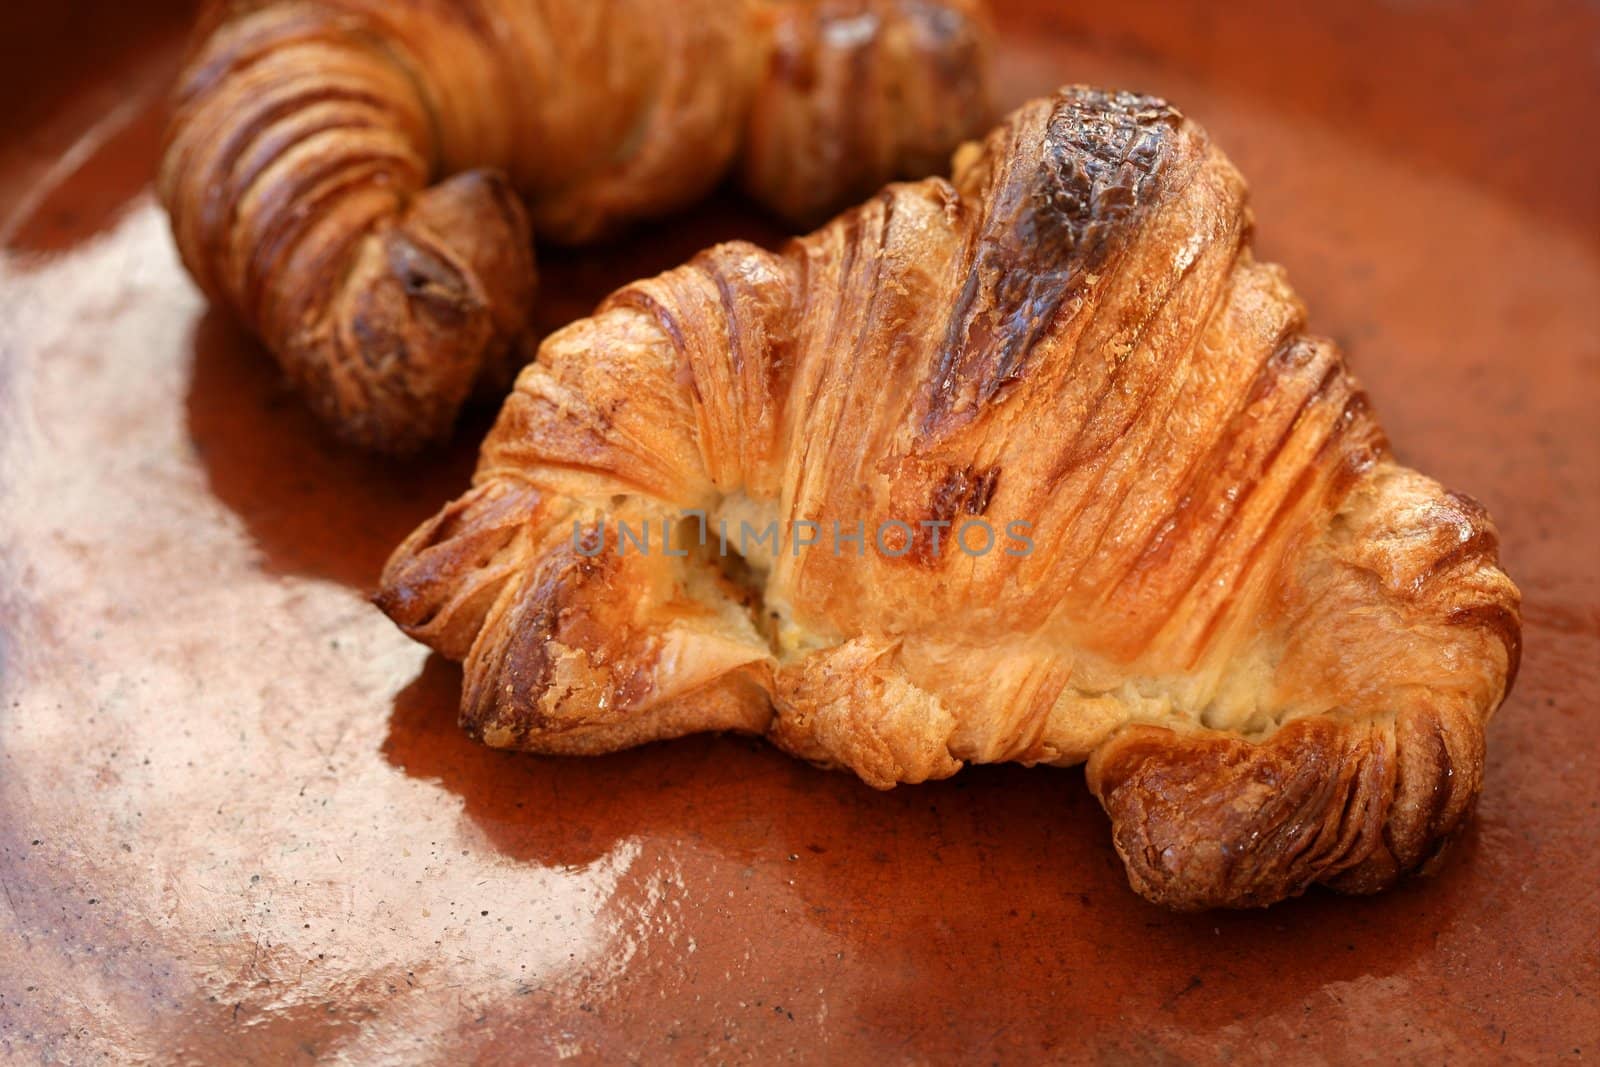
pixel 306 133
pixel 1275 646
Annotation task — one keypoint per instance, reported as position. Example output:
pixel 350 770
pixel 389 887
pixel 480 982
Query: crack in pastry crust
pixel 1275 647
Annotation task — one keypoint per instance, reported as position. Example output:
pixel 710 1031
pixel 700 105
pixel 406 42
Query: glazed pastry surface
pixel 1275 646
pixel 357 179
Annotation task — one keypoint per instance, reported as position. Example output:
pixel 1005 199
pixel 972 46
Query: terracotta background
pixel 236 819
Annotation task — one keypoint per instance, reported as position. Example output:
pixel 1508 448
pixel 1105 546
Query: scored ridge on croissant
pixel 305 134
pixel 1275 646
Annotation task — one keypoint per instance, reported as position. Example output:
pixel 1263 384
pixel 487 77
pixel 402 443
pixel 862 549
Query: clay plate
pixel 237 821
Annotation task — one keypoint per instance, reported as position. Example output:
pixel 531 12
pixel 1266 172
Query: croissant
pixel 1175 543
pixel 305 133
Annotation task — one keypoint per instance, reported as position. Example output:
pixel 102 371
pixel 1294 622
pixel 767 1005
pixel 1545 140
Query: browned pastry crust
pixel 1275 646
pixel 306 132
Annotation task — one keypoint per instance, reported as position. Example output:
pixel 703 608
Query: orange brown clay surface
pixel 237 818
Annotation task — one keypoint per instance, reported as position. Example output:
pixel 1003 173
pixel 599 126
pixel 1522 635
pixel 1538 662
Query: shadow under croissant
pixel 992 847
pixel 315 507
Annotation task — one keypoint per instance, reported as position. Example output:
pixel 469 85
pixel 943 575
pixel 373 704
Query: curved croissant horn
pixel 306 134
pixel 1175 543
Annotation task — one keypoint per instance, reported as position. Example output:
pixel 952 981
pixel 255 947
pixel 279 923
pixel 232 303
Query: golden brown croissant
pixel 305 133
pixel 1275 646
